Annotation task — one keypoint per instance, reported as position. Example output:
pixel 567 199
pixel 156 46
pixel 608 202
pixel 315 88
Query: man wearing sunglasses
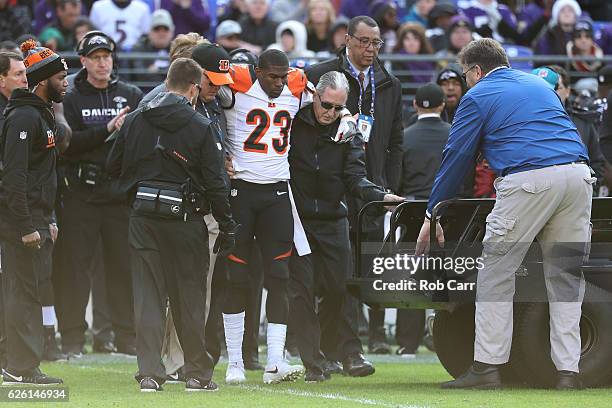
pixel 323 169
pixel 375 95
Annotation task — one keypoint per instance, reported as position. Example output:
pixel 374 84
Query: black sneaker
pixel 312 376
pixel 406 353
pixel 379 347
pixel 148 384
pixel 357 366
pixel 104 347
pixel 52 351
pixel 568 380
pixel 128 348
pixel 193 384
pixel 34 377
pixel 332 367
pixel 74 351
pixel 487 377
pixel 176 377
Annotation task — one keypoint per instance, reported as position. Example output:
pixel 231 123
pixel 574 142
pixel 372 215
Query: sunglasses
pixel 328 105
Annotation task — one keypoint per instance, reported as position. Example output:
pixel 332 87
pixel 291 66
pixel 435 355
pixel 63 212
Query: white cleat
pixel 234 374
pixel 282 371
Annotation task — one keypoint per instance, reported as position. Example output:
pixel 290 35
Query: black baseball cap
pixel 243 56
pixel 429 96
pixel 93 41
pixel 215 62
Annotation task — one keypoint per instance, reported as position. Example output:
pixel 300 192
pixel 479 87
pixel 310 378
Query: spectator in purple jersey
pixel 490 19
pixel 189 16
pixel 605 39
pixel 459 34
pixel 353 8
pixel 411 40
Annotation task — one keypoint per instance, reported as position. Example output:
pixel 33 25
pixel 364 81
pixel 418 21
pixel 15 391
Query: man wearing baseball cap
pixel 95 106
pixel 27 199
pixel 454 88
pixel 228 35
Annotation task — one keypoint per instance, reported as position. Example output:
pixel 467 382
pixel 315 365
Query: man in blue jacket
pixel 543 190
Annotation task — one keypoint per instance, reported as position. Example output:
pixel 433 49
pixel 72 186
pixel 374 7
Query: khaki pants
pixel 172 353
pixel 552 204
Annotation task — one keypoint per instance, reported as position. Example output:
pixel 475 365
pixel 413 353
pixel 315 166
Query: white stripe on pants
pixel 554 205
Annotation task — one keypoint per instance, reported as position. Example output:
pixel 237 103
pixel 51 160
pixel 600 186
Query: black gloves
pixel 225 242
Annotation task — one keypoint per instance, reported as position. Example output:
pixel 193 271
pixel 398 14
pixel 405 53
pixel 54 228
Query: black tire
pixel 533 362
pixel 453 335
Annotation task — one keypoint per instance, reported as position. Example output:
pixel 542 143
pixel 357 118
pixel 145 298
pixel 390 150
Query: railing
pixel 146 79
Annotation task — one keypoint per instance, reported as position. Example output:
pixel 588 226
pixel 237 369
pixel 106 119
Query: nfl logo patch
pixel 234 192
pixel 23 135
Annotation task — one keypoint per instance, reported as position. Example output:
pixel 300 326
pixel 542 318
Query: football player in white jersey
pixel 124 20
pixel 264 101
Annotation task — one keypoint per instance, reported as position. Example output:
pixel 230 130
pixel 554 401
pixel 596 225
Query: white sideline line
pixel 335 396
pixel 297 393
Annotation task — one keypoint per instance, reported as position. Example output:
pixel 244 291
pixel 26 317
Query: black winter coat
pixel 384 150
pixel 29 180
pixel 170 120
pixel 323 171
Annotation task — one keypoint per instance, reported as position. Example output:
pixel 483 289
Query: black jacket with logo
pixel 384 150
pixel 88 110
pixel 29 181
pixel 322 171
pixel 169 120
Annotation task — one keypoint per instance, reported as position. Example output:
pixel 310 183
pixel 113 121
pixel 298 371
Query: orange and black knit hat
pixel 41 63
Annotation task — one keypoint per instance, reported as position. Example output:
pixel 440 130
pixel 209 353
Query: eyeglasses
pixel 328 105
pixel 463 75
pixel 100 57
pixel 365 42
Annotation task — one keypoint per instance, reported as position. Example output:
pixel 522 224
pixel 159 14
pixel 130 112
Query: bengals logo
pixel 224 65
pixel 50 139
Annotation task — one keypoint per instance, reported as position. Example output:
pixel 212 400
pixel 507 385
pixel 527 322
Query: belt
pixel 528 167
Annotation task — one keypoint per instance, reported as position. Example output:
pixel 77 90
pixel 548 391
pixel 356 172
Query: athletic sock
pixel 48 316
pixel 233 325
pixel 276 342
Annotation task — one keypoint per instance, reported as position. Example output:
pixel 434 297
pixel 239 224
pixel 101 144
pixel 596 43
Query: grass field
pixel 107 381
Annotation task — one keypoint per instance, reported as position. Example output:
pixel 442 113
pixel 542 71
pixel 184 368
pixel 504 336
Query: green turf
pixel 106 381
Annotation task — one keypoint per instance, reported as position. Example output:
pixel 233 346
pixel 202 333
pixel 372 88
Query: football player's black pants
pixel 322 274
pixel 26 281
pixel 214 323
pixel 83 227
pixel 170 261
pixel 264 213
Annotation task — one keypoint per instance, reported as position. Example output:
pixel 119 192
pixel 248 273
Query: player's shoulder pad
pixel 296 81
pixel 242 76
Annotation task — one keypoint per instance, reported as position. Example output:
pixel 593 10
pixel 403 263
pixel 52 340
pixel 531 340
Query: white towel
pixel 299 235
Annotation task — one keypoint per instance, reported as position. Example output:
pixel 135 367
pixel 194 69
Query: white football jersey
pixel 124 25
pixel 258 127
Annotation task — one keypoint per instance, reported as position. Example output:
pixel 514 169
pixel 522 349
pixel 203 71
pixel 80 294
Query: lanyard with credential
pixel 362 90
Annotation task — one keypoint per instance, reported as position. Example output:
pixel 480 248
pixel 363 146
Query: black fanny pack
pixel 160 199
